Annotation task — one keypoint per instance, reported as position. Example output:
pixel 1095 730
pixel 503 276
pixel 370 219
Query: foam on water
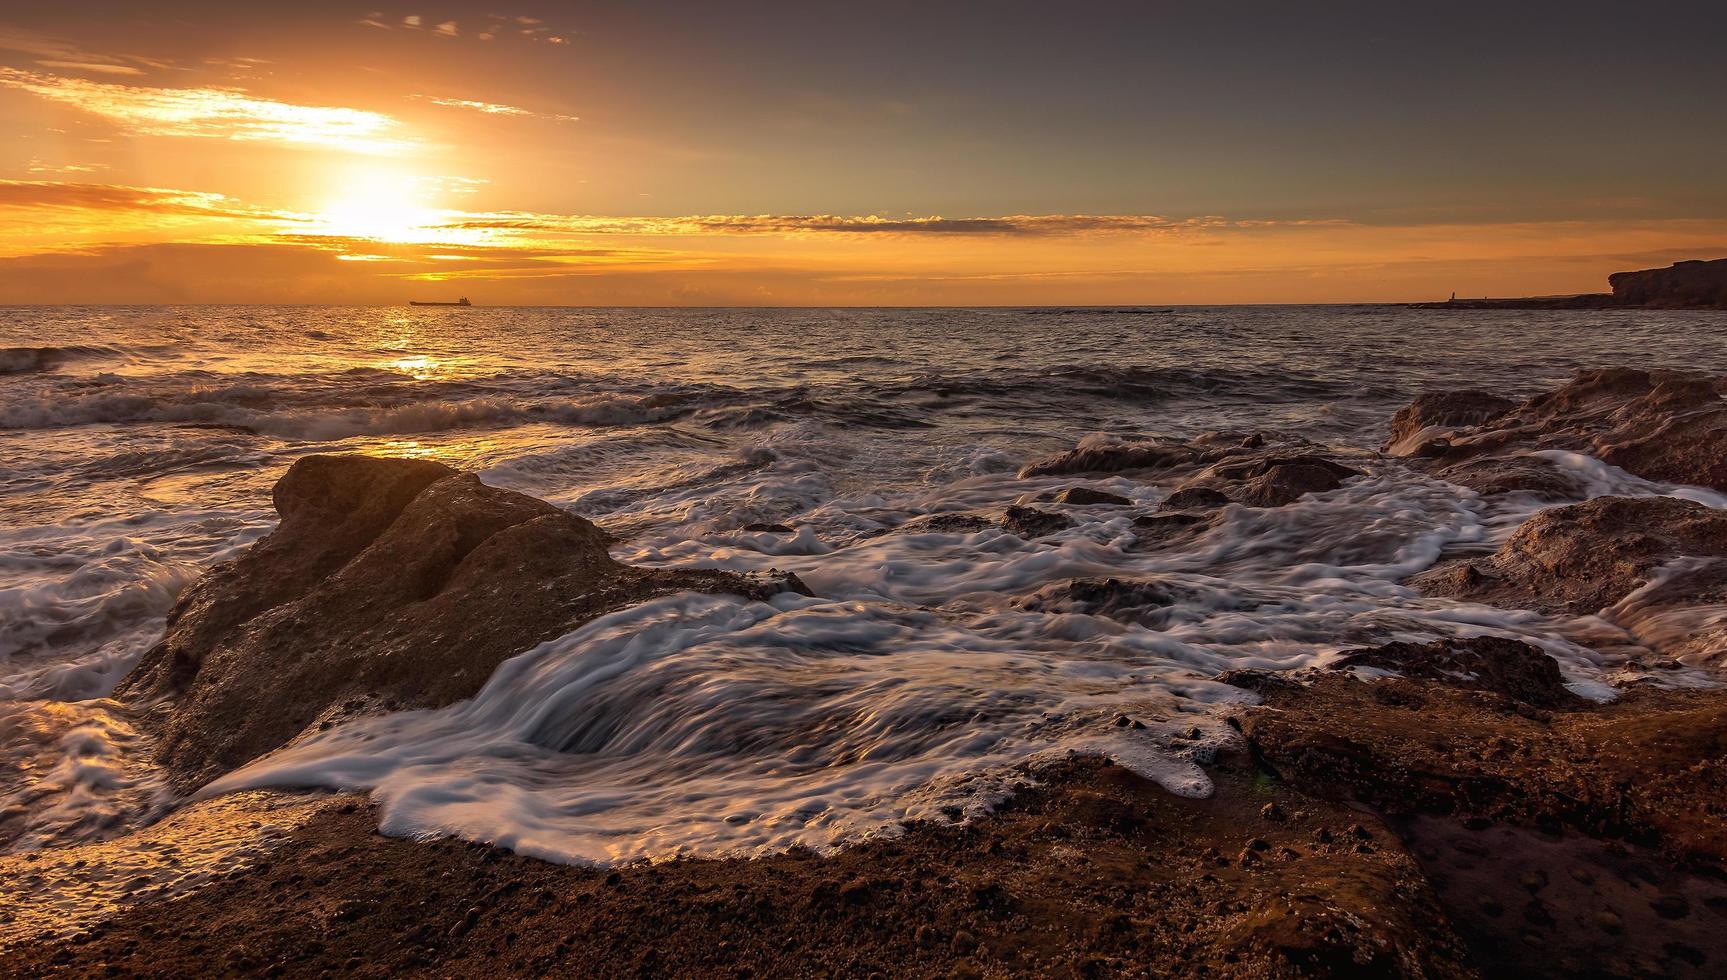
pixel 138 447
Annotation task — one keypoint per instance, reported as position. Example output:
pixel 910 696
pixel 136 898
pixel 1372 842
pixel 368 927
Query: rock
pixel 1693 283
pixel 1086 496
pixel 760 527
pixel 1584 558
pixel 1661 425
pixel 1285 483
pixel 1029 522
pixel 1435 411
pixel 946 524
pixel 1146 602
pixel 1195 498
pixel 1162 530
pixel 1489 663
pixel 1111 457
pixel 1646 768
pixel 1531 475
pixel 388 582
pixel 1271 478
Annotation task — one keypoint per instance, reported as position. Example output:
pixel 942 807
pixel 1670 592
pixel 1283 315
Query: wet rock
pixel 1195 498
pixel 1111 457
pixel 1268 479
pixel 388 582
pixel 1660 425
pixel 1086 496
pixel 1433 412
pixel 1656 564
pixel 1645 768
pixel 1163 530
pixel 946 524
pixel 1285 483
pixel 1029 522
pixel 1510 668
pixel 1148 602
pixel 1530 475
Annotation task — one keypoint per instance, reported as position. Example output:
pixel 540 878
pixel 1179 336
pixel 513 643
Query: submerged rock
pixel 389 583
pixel 1195 498
pixel 1029 522
pixel 1087 496
pixel 1268 479
pixel 946 524
pixel 1111 458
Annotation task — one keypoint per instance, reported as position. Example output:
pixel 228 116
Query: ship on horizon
pixel 422 302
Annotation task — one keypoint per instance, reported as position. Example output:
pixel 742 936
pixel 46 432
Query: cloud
pixel 446 29
pixel 496 109
pixel 52 52
pixel 214 113
pixel 22 194
pixel 105 69
pixel 862 225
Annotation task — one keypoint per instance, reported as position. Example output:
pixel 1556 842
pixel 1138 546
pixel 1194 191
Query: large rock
pixel 1585 557
pixel 1683 284
pixel 1649 768
pixel 1436 411
pixel 388 584
pixel 1655 566
pixel 1661 425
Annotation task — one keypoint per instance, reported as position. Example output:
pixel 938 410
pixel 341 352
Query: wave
pixel 31 360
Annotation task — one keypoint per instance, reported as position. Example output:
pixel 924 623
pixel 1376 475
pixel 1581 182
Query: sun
pixel 381 206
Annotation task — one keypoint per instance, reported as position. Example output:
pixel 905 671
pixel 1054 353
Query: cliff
pixel 1682 284
pixel 1692 284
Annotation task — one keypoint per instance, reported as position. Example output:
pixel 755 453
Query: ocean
pixel 138 446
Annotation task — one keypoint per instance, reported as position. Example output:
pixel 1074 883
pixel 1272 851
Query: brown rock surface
pixel 1441 410
pixel 1095 873
pixel 1649 768
pixel 1029 522
pixel 391 583
pixel 1585 557
pixel 1661 425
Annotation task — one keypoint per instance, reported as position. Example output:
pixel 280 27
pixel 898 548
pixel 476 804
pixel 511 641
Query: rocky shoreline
pixel 1693 284
pixel 1444 808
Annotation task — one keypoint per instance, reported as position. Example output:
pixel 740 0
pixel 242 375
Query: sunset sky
pixel 853 153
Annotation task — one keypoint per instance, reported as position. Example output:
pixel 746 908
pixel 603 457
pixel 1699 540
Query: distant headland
pixel 1694 284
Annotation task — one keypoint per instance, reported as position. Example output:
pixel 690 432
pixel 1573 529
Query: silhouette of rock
pixel 1691 283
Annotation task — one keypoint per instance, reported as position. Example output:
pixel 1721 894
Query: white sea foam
pixel 140 447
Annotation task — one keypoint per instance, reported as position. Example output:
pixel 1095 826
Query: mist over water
pixel 138 446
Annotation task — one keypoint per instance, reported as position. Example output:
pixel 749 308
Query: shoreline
pixel 1453 807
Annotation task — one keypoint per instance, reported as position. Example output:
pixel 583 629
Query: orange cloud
pixel 496 109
